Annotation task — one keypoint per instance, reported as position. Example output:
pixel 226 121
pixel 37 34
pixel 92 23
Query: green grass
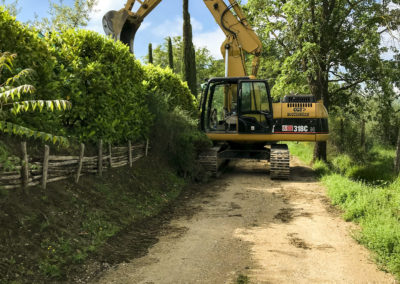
pixel 377 210
pixel 303 150
pixel 368 193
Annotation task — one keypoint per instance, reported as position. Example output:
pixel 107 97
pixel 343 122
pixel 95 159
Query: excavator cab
pixel 237 106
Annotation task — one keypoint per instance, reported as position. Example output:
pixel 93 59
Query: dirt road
pixel 249 228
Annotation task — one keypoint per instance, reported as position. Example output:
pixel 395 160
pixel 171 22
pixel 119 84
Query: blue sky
pixel 164 21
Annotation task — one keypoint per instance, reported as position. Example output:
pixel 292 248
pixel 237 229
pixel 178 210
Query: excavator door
pixel 255 107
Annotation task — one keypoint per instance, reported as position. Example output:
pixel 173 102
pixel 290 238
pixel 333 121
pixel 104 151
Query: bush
pixel 164 81
pixel 321 168
pixel 104 84
pixel 342 163
pixel 181 139
pixel 32 52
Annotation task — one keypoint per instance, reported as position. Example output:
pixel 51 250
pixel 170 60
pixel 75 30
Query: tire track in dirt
pixel 270 231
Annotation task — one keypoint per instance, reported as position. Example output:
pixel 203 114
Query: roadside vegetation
pixel 368 192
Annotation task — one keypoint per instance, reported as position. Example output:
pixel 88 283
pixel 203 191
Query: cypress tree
pixel 189 56
pixel 150 53
pixel 170 54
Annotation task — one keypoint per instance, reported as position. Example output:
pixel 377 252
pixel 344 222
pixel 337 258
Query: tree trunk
pixel 170 54
pixel 150 53
pixel 320 151
pixel 397 159
pixel 341 133
pixel 319 89
pixel 189 55
pixel 362 138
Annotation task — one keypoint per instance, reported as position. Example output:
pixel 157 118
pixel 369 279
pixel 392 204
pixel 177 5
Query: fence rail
pixel 31 171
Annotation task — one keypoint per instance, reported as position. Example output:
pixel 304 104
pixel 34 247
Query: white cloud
pixel 174 27
pixel 211 40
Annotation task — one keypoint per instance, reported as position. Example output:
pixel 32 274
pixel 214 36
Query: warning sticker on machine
pixel 287 128
pixel 295 128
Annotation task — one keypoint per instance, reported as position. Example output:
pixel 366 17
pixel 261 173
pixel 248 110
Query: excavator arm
pixel 240 37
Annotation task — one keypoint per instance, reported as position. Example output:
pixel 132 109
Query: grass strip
pixel 375 208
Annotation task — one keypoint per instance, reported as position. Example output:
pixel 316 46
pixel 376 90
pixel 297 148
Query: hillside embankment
pixel 63 232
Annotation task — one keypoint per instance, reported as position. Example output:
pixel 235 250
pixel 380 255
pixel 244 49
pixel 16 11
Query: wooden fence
pixel 31 171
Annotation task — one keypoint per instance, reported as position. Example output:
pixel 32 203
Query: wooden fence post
pixel 130 153
pixel 45 166
pixel 24 166
pixel 147 147
pixel 109 152
pixel 80 163
pixel 100 161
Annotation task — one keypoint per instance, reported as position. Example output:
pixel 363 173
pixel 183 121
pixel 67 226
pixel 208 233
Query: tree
pixel 206 66
pixel 64 16
pixel 189 54
pixel 12 8
pixel 11 91
pixel 323 42
pixel 150 53
pixel 170 54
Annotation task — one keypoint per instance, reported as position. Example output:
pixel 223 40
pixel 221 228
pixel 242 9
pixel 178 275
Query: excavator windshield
pixel 237 105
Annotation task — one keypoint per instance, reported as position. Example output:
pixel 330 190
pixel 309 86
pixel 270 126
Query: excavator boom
pixel 240 37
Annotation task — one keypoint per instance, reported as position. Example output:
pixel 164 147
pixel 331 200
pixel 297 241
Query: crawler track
pixel 209 160
pixel 280 162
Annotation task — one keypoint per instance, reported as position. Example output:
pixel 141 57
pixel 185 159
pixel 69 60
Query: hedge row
pixel 107 86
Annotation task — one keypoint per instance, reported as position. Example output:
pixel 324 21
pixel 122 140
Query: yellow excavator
pixel 237 112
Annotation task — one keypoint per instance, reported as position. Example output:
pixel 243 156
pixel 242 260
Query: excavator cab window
pixel 255 107
pixel 221 107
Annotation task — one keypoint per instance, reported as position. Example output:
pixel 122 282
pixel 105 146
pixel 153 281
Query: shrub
pixel 181 139
pixel 32 52
pixel 11 91
pixel 321 168
pixel 164 81
pixel 104 83
pixel 342 163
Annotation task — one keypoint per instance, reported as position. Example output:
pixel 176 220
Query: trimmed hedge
pixel 32 52
pixel 104 83
pixel 166 82
pixel 109 89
